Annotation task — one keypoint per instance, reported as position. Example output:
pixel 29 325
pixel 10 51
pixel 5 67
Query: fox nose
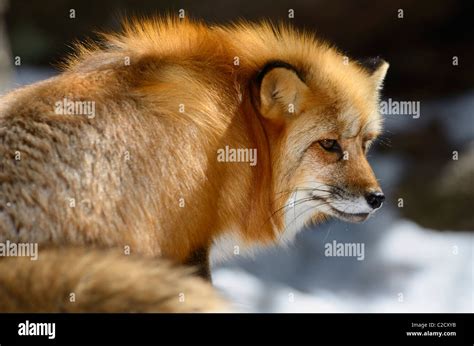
pixel 375 199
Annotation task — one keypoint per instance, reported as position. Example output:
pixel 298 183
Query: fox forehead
pixel 353 122
pixel 343 121
pixel 344 102
pixel 358 113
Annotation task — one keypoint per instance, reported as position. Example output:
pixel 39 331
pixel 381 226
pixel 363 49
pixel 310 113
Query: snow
pixel 454 113
pixel 411 269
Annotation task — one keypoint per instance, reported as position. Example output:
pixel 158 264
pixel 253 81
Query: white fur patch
pixel 231 244
pixel 300 208
pixel 352 206
pixel 296 216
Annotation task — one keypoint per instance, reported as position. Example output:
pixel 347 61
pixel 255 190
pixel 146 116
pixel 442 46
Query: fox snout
pixel 351 205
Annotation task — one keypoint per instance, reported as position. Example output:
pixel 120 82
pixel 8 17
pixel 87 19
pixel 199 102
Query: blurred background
pixel 419 247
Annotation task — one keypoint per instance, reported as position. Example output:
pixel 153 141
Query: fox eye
pixel 330 145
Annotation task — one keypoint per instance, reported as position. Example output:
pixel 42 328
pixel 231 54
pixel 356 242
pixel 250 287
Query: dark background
pixel 420 46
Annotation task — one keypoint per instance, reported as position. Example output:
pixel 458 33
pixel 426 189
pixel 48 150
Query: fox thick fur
pixel 79 280
pixel 141 173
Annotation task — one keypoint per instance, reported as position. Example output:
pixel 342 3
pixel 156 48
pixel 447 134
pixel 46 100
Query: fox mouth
pixel 343 215
pixel 356 217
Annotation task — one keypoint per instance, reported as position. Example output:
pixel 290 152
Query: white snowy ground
pixel 406 268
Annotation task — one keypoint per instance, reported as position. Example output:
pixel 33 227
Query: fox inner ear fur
pixel 281 91
pixel 377 67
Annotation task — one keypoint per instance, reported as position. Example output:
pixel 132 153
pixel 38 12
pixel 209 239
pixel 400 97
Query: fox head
pixel 320 120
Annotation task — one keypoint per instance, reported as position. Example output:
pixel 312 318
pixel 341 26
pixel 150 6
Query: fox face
pixel 320 123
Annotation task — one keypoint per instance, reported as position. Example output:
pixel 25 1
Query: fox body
pixel 124 149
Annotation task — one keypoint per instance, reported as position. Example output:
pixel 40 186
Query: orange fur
pixel 172 197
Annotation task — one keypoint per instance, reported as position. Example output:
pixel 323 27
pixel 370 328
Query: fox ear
pixel 377 67
pixel 281 92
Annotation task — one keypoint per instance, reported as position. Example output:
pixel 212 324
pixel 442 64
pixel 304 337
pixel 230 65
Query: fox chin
pixel 167 140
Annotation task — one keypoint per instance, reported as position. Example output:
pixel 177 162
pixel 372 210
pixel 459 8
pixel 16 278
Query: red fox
pixel 161 141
